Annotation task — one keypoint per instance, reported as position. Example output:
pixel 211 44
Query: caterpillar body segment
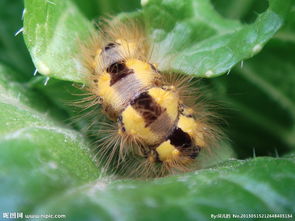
pixel 121 81
pixel 151 115
pixel 153 122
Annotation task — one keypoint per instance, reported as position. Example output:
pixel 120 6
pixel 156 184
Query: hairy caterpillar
pixel 154 131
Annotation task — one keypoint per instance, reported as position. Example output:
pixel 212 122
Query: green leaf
pixel 260 94
pixel 287 34
pixel 13 52
pixel 197 40
pixel 235 9
pixel 45 168
pixel 52 31
pixel 39 157
pixel 94 9
pixel 251 186
pixel 207 45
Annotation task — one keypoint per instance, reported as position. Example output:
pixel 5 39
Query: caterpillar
pixel 154 130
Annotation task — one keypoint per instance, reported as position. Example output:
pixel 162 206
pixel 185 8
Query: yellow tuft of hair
pixel 167 152
pixel 135 126
pixel 166 99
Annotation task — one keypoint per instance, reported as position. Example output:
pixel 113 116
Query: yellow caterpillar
pixel 152 120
